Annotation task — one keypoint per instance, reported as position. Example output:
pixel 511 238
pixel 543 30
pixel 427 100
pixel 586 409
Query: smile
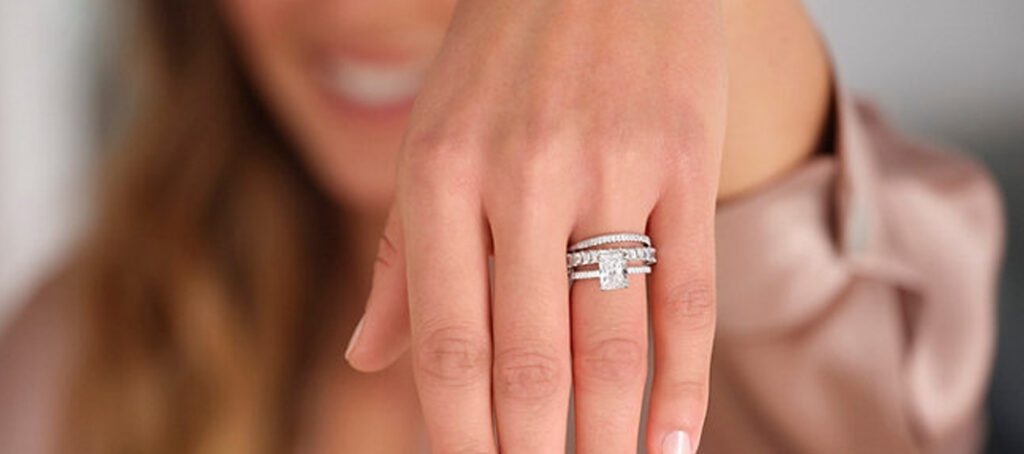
pixel 374 85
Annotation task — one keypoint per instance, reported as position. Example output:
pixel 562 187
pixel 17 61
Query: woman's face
pixel 340 76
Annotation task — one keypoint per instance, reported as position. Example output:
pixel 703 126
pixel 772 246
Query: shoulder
pixel 36 356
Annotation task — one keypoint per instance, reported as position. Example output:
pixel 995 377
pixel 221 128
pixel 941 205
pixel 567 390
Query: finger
pixel 446 244
pixel 609 353
pixel 532 375
pixel 382 334
pixel 683 319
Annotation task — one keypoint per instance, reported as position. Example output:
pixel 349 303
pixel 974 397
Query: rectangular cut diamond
pixel 612 270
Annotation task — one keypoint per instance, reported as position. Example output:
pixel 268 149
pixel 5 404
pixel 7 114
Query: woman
pixel 234 249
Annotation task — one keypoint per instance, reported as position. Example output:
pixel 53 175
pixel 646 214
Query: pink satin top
pixel 857 302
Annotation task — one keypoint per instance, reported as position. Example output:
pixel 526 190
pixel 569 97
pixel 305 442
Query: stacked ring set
pixel 632 254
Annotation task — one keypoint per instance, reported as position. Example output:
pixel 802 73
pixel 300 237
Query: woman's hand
pixel 542 123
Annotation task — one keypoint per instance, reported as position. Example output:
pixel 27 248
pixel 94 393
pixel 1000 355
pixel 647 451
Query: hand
pixel 542 123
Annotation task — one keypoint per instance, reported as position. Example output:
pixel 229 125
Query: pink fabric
pixel 856 302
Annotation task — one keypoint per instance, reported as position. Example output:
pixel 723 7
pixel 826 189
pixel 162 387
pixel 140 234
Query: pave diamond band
pixel 609 239
pixel 581 258
pixel 613 264
pixel 596 274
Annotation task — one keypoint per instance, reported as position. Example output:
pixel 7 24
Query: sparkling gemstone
pixel 612 270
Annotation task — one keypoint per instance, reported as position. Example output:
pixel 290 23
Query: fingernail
pixel 355 338
pixel 676 443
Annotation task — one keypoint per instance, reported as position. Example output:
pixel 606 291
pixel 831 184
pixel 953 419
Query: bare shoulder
pixel 36 358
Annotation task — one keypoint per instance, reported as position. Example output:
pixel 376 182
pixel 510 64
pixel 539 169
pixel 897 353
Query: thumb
pixel 382 335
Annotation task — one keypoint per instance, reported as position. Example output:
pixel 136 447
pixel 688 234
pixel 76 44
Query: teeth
pixel 374 85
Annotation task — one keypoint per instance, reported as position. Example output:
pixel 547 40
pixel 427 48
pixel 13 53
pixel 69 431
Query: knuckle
pixel 527 374
pixel 542 132
pixel 525 189
pixel 691 305
pixel 435 161
pixel 534 161
pixel 688 389
pixel 691 395
pixel 617 361
pixel 473 447
pixel 432 141
pixel 687 152
pixel 535 167
pixel 453 357
pixel 387 252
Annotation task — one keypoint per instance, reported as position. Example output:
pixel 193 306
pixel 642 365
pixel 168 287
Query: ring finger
pixel 609 353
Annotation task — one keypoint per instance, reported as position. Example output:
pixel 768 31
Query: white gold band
pixel 609 239
pixel 596 274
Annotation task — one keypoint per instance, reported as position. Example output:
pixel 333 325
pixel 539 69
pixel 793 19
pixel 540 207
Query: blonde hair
pixel 203 287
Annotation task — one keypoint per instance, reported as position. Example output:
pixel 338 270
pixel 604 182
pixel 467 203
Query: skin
pixel 570 119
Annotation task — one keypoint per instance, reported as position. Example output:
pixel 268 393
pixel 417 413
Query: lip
pixel 349 108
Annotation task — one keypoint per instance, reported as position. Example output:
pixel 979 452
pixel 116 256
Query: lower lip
pixel 378 113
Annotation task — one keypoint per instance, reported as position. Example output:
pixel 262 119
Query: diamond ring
pixel 613 264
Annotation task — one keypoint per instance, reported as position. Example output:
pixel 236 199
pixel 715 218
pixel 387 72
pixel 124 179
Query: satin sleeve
pixel 856 301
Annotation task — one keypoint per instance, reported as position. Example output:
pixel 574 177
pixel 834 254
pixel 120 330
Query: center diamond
pixel 612 270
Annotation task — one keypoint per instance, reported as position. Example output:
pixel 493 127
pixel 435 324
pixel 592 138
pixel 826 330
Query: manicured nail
pixel 355 338
pixel 676 443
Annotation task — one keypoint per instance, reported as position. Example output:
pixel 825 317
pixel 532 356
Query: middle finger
pixel 532 373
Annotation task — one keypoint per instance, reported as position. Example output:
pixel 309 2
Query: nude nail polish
pixel 355 338
pixel 676 443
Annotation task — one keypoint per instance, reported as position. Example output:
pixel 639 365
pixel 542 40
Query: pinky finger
pixel 682 300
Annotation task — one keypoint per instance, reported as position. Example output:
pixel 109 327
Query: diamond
pixel 612 270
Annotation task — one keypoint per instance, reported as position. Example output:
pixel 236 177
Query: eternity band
pixel 596 274
pixel 611 238
pixel 591 257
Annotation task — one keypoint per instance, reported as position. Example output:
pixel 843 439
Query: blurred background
pixel 948 70
pixel 953 72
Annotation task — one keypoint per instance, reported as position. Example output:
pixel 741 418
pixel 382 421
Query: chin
pixel 359 189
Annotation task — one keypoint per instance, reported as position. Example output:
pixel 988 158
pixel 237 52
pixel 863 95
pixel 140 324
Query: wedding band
pixel 596 274
pixel 582 258
pixel 613 264
pixel 611 238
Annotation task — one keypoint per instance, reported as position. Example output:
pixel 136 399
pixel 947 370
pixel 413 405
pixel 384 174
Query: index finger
pixel 446 251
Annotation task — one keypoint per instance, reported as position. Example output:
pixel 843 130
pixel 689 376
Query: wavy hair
pixel 204 284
